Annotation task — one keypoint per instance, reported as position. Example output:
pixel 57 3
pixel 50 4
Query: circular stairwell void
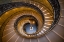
pixel 11 32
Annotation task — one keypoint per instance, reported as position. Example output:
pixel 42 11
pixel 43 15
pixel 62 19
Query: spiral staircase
pixel 9 17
